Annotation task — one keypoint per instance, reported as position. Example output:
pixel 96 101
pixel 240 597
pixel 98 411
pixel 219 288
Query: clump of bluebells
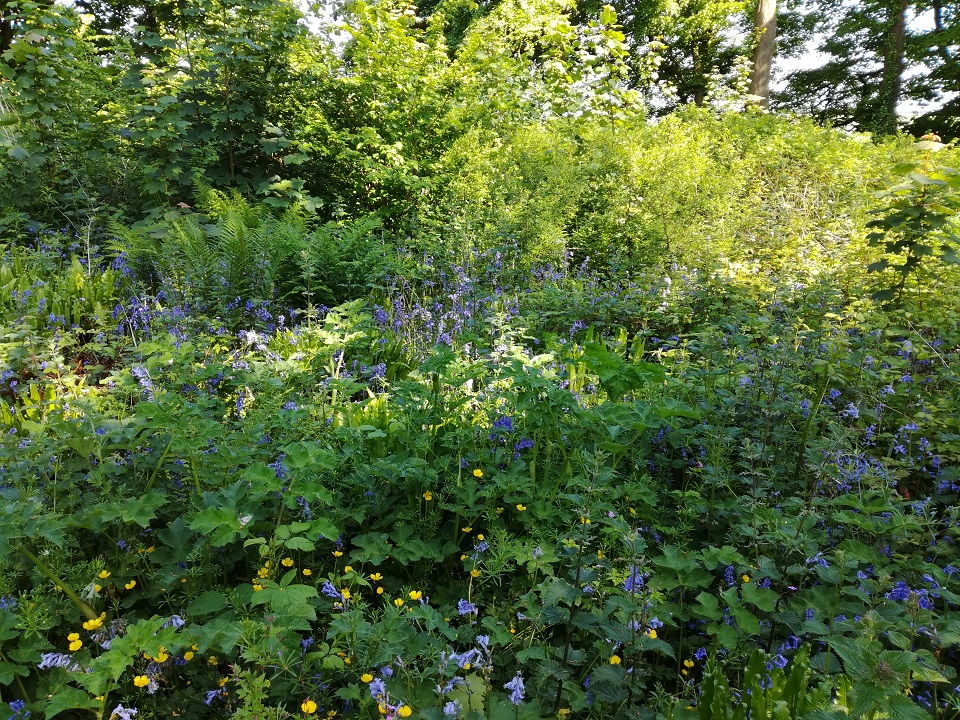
pixel 476 493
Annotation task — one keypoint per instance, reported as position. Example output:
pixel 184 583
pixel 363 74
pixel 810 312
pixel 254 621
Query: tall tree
pixel 765 30
pixel 879 55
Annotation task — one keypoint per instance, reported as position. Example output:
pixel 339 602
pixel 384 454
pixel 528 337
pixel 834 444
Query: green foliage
pixel 918 221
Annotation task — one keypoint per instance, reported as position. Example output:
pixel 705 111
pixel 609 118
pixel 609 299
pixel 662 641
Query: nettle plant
pixel 919 220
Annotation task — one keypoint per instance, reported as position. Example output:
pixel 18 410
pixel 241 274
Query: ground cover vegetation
pixel 422 372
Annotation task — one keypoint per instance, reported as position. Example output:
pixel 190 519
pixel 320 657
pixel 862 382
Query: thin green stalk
pixel 85 608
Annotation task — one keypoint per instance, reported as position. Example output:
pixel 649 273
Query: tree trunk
pixel 891 85
pixel 765 27
pixel 6 27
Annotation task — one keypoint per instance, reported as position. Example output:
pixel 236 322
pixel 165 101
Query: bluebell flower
pixel 634 580
pixel 452 708
pixel 122 713
pixel 466 608
pixel 516 689
pixel 777 661
pixel 378 688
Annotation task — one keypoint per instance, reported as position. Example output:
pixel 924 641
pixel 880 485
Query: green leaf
pixel 69 698
pixel 209 602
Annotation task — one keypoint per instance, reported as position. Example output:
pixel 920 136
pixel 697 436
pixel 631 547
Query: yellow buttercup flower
pixel 398 602
pixel 307 572
pixel 428 496
pixel 475 573
pixel 745 578
pixel 480 536
pixel 688 663
pixel 75 645
pixel 684 672
pixel 337 553
pixel 379 591
pixel 347 569
pixel 188 656
pixel 141 681
pixel 98 588
pixel 415 594
pixel 287 562
pixel 72 637
pixel 467 529
pixel 163 656
pixel 404 711
pixel 104 574
pixel 257 587
pixel 521 508
pixel 309 707
pixel 615 660
pixel 263 572
pixel 478 473
pixel 131 585
pixel 91 625
pixel 366 677
pixel 652 634
pixel 346 593
pixel 376 577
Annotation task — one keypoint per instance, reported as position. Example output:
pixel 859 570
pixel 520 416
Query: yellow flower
pixel 404 711
pixel 398 602
pixel 467 666
pixel 73 637
pixel 415 594
pixel 652 634
pixel 188 656
pixel 104 574
pixel 347 569
pixel 337 553
pixel 213 660
pixel 257 587
pixel 428 496
pixel 467 529
pixel 366 677
pixel 131 585
pixel 521 508
pixel 379 591
pixel 307 572
pixel 287 562
pixel 684 672
pixel 376 577
pixel 480 536
pixel 93 624
pixel 263 572
pixel 615 660
pixel 309 707
pixel 745 578
pixel 600 555
pixel 381 708
pixel 475 573
pixel 499 511
pixel 464 557
pixel 688 663
pixel 75 645
pixel 98 588
pixel 478 473
pixel 163 656
pixel 346 593
pixel 584 520
pixel 141 681
pixel 223 681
